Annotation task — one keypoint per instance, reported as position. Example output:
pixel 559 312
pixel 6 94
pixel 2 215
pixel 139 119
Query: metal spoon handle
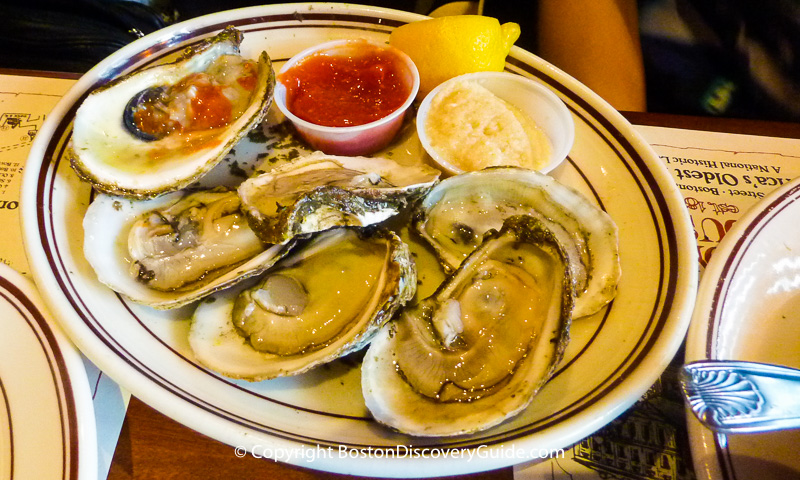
pixel 742 397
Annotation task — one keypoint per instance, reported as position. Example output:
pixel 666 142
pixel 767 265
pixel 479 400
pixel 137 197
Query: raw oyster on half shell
pixel 321 191
pixel 171 250
pixel 324 300
pixel 158 129
pixel 456 213
pixel 478 350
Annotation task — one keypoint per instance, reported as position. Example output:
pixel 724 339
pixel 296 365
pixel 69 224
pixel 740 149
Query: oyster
pixel 322 191
pixel 171 250
pixel 456 213
pixel 159 129
pixel 478 350
pixel 325 300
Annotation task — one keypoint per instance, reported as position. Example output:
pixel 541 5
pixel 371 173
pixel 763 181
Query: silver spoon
pixel 742 397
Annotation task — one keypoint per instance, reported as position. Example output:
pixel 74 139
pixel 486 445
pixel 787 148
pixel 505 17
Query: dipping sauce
pixel 200 101
pixel 472 128
pixel 339 90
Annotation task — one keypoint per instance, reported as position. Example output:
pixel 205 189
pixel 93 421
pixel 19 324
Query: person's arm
pixel 597 42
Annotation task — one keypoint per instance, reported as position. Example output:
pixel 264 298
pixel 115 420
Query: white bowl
pixel 352 140
pixel 534 99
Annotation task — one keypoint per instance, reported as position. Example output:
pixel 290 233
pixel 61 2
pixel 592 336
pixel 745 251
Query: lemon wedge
pixel 445 47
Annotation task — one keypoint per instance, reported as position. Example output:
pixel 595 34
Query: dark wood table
pixel 152 446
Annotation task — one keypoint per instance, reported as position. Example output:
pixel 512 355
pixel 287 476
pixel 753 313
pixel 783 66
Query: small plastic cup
pixel 535 100
pixel 355 140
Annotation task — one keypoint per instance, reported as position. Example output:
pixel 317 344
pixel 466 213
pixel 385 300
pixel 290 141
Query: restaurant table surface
pixel 153 446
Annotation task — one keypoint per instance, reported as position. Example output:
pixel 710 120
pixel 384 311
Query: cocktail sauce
pixel 346 90
pixel 199 101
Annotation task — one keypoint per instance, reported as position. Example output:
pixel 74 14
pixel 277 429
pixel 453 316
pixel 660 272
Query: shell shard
pixel 172 250
pixel 159 129
pixel 456 213
pixel 325 300
pixel 320 191
pixel 477 351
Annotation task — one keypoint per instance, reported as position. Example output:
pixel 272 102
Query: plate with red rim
pixel 47 425
pixel 613 358
pixel 746 310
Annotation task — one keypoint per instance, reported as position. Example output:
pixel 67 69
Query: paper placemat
pixel 25 102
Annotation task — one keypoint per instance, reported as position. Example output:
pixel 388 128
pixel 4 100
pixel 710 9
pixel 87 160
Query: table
pixel 154 446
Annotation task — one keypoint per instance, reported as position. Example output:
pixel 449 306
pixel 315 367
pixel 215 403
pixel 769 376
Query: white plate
pixel 613 358
pixel 47 428
pixel 747 309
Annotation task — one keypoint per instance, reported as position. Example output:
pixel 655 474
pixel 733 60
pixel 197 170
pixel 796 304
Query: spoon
pixel 742 397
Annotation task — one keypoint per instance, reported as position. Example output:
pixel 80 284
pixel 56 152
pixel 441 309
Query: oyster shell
pixel 478 350
pixel 456 213
pixel 190 113
pixel 171 250
pixel 321 191
pixel 325 300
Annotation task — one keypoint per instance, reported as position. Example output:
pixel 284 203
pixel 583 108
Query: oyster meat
pixel 456 213
pixel 321 191
pixel 324 300
pixel 478 350
pixel 171 250
pixel 157 130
